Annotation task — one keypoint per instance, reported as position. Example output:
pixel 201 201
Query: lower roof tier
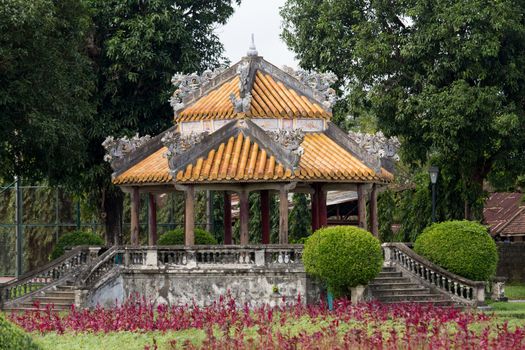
pixel 242 159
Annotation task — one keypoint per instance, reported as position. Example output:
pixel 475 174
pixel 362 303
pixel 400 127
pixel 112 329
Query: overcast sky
pixel 263 20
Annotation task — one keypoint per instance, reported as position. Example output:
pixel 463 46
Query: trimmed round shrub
pixel 176 237
pixel 73 239
pixel 343 257
pixel 461 247
pixel 12 337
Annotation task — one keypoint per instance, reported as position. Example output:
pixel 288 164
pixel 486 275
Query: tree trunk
pixel 113 207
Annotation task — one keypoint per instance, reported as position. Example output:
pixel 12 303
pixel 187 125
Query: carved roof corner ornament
pixel 117 149
pixel 320 82
pixel 290 140
pixel 176 143
pixel 377 144
pixel 187 83
pixel 244 73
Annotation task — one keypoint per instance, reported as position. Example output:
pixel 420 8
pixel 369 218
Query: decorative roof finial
pixel 252 50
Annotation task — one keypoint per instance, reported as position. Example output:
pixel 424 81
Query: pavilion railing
pixel 192 257
pixel 460 289
pixel 64 268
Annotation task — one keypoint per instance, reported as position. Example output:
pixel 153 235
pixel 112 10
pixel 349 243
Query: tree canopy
pixel 46 84
pixel 444 76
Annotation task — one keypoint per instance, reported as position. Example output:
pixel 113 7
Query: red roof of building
pixel 504 212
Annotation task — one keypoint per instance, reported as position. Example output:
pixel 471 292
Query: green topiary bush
pixel 176 237
pixel 461 247
pixel 343 257
pixel 73 239
pixel 14 338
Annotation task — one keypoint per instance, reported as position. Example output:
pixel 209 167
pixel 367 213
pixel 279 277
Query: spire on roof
pixel 252 50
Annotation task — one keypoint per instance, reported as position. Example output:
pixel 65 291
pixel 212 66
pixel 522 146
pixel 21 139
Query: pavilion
pixel 250 127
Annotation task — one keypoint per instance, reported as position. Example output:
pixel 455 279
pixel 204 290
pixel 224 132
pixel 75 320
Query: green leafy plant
pixel 73 239
pixel 176 237
pixel 462 247
pixel 12 337
pixel 343 257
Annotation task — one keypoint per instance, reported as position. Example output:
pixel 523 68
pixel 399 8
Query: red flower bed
pixel 363 326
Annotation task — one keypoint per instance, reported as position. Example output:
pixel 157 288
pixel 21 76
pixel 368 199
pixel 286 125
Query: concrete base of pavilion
pixel 250 274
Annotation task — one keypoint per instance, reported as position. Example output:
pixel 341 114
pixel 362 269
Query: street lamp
pixel 433 171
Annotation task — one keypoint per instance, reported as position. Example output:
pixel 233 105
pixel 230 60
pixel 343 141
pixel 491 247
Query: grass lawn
pixel 515 291
pixel 510 311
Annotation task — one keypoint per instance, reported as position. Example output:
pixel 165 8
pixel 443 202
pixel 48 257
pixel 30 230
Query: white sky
pixel 260 17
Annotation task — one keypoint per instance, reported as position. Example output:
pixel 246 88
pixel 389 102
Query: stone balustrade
pixel 461 290
pixel 47 276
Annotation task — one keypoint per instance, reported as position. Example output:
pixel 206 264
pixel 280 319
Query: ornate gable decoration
pixel 242 104
pixel 117 149
pixel 187 83
pixel 290 140
pixel 377 144
pixel 320 82
pixel 178 144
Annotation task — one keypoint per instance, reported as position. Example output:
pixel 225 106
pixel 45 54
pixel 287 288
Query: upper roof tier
pixel 253 88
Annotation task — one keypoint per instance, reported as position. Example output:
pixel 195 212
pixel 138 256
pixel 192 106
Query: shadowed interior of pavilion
pixel 249 128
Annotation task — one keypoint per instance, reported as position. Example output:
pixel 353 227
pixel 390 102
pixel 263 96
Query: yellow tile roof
pixel 241 159
pixel 270 99
pixel 152 169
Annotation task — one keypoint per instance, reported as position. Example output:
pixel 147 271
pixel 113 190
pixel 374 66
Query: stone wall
pixel 185 286
pixel 512 261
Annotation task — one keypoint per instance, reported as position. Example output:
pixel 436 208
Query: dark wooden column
pixel 265 216
pixel 323 212
pixel 152 219
pixel 244 216
pixel 227 218
pixel 283 216
pixel 361 206
pixel 373 211
pixel 135 208
pixel 315 208
pixel 189 216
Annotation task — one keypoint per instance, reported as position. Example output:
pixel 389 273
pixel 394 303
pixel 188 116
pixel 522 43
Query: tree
pixel 300 218
pixel 444 76
pixel 135 48
pixel 46 84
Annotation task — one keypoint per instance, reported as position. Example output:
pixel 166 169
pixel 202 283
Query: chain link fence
pixel 50 212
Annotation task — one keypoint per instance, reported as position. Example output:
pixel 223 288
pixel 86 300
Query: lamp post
pixel 433 171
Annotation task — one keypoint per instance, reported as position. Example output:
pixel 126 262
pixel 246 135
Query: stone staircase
pixel 61 297
pixel 390 286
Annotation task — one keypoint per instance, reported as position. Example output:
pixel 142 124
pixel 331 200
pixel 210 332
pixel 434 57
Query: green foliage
pixel 14 338
pixel 73 239
pixel 444 76
pixel 135 48
pixel 386 207
pixel 46 85
pixel 343 257
pixel 462 247
pixel 299 221
pixel 176 237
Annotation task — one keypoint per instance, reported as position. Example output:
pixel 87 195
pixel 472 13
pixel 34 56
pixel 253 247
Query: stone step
pixel 411 298
pixel 389 269
pixel 62 293
pixel 401 291
pixel 380 280
pixel 52 298
pixel 440 303
pixel 383 286
pixel 66 287
pixel 390 274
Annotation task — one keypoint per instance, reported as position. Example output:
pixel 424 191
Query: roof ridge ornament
pixel 176 143
pixel 119 148
pixel 320 82
pixel 252 50
pixel 188 83
pixel 290 140
pixel 242 104
pixel 377 144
